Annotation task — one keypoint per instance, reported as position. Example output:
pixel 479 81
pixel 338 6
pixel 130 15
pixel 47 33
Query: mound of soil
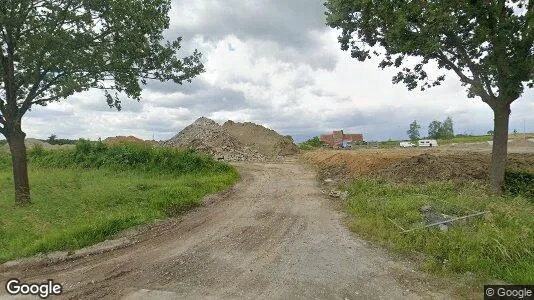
pixel 355 162
pixel 465 167
pixel 208 136
pixel 266 141
pixel 127 139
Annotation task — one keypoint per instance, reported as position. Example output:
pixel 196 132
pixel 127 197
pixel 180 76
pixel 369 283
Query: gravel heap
pixel 267 141
pixel 208 136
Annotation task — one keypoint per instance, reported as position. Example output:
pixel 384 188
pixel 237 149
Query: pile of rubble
pixel 266 141
pixel 208 136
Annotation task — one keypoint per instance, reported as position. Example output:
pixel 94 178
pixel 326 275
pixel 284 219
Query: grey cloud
pixel 169 87
pixel 47 113
pixel 279 30
pixel 127 105
pixel 286 22
pixel 207 100
pixel 292 25
pixel 389 123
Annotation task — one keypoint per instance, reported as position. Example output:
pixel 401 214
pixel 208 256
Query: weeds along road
pixel 273 235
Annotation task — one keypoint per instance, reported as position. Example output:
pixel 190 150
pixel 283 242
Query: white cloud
pixel 274 63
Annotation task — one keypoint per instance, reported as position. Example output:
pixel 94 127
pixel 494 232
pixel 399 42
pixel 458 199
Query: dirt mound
pixel 458 167
pixel 266 141
pixel 355 162
pixel 208 136
pixel 127 139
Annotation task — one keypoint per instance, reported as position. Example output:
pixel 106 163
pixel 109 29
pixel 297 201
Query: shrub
pixel 127 156
pixel 310 144
pixel 519 183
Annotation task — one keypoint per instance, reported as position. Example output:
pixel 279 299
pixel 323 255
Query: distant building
pixel 338 139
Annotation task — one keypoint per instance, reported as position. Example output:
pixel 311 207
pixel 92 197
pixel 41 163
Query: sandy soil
pixel 273 235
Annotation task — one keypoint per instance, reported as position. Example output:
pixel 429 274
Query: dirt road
pixel 274 235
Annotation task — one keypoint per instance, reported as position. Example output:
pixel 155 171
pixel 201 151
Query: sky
pixel 274 63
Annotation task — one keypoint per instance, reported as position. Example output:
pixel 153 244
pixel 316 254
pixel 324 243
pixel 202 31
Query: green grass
pixel 466 139
pixel 389 144
pixel 84 196
pixel 498 245
pixel 456 139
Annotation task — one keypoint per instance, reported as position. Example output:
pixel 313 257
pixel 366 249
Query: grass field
pixel 460 139
pixel 84 196
pixel 498 245
pixel 456 139
pixel 466 139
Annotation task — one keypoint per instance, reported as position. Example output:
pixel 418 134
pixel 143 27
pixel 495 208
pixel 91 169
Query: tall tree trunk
pixel 15 138
pixel 500 147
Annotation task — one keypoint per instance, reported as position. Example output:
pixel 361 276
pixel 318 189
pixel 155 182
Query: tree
pixel 52 139
pixel 52 49
pixel 413 132
pixel 447 129
pixel 490 132
pixel 434 130
pixel 314 142
pixel 487 44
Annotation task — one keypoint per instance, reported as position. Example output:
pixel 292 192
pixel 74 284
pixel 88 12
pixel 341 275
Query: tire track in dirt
pixel 273 235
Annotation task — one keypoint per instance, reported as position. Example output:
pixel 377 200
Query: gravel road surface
pixel 273 235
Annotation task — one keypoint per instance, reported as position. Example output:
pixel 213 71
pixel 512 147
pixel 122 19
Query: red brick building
pixel 339 139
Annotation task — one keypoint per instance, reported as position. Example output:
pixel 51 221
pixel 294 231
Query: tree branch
pixel 35 87
pixel 45 100
pixel 483 86
pixel 454 67
pixel 29 100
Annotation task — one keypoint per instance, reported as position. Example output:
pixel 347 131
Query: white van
pixel 428 143
pixel 407 144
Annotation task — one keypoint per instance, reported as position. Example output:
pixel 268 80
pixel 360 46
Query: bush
pixel 517 183
pixel 311 144
pixel 495 246
pixel 84 195
pixel 127 156
pixel 5 159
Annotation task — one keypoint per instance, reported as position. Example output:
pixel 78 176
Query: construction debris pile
pixel 233 141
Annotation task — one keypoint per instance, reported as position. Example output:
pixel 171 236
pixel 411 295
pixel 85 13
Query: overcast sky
pixel 275 63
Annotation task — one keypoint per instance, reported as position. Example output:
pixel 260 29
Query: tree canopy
pixel 488 44
pixel 441 130
pixel 52 49
pixel 413 131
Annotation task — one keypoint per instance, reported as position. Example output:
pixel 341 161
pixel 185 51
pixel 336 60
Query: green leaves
pixel 441 130
pixel 58 48
pixel 413 132
pixel 488 44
